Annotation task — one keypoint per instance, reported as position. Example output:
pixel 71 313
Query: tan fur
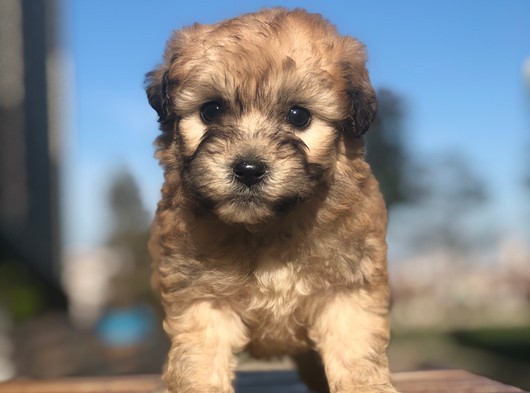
pixel 297 263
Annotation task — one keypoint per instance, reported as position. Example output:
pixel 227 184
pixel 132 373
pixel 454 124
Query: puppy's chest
pixel 278 292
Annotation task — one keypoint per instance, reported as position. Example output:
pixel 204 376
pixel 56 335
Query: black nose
pixel 249 172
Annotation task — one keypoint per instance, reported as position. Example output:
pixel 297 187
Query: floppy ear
pixel 157 85
pixel 359 90
pixel 363 109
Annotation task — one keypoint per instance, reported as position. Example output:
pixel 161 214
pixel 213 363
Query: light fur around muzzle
pixel 270 233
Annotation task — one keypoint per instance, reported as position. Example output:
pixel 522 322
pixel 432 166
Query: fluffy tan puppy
pixel 270 234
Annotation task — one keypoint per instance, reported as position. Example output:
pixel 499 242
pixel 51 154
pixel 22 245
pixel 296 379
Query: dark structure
pixel 29 158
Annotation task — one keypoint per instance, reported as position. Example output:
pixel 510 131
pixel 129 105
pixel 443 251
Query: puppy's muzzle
pixel 249 171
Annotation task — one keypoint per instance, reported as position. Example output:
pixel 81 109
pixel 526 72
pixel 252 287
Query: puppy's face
pixel 253 110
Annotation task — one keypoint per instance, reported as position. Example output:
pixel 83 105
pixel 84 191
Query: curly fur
pixel 296 264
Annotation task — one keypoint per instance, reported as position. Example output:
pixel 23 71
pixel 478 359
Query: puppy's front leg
pixel 351 334
pixel 204 339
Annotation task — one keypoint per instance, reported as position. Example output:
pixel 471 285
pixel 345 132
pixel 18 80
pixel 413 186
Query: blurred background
pixel 79 184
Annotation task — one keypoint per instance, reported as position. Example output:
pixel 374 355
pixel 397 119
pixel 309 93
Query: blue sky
pixel 457 64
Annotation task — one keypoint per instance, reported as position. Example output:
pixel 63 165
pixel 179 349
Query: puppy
pixel 270 233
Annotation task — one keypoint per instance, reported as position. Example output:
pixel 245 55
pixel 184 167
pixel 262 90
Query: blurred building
pixel 29 153
pixel 482 289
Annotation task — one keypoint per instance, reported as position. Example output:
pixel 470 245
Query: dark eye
pixel 299 117
pixel 210 111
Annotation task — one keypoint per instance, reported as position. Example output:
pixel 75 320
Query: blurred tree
pixel 129 237
pixel 386 150
pixel 124 199
pixel 440 192
pixel 452 193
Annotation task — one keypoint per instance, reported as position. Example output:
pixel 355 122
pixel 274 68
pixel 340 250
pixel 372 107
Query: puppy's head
pixel 253 110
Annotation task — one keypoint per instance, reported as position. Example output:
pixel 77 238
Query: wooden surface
pixel 441 381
